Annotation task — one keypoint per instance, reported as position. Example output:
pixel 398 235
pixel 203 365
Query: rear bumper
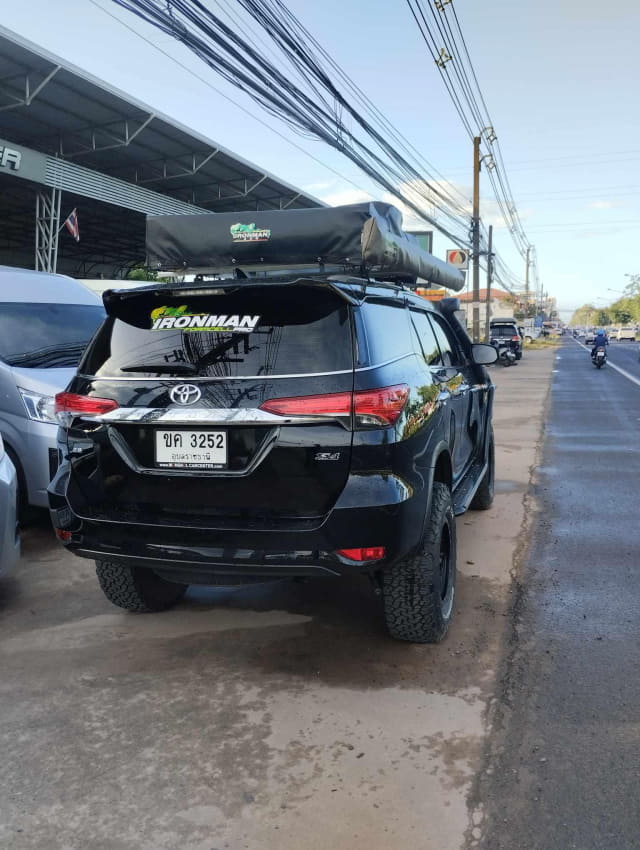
pixel 374 510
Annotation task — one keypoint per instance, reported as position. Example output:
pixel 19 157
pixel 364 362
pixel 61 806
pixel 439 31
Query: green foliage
pixel 632 289
pixel 624 311
pixel 141 273
pixel 526 311
pixel 622 315
pixel 584 315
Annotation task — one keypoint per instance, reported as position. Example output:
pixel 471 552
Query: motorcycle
pixel 599 357
pixel 506 354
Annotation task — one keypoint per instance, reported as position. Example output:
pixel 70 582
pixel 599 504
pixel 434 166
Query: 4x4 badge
pixel 185 394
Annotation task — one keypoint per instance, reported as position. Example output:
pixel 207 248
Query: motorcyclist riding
pixel 600 341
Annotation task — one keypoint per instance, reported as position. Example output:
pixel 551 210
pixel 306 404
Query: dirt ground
pixel 275 716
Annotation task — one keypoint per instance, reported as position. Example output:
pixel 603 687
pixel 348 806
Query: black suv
pixel 235 431
pixel 507 332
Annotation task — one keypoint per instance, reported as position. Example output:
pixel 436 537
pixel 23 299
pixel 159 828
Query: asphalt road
pixel 563 767
pixel 625 355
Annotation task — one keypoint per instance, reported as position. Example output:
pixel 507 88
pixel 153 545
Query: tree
pixel 602 317
pixel 627 309
pixel 621 313
pixel 584 315
pixel 142 273
pixel 632 289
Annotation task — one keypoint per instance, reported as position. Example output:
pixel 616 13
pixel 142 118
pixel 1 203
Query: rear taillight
pixel 371 408
pixel 381 406
pixel 337 404
pixel 69 405
pixel 515 339
pixel 365 553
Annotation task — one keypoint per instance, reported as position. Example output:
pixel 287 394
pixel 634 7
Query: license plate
pixel 191 449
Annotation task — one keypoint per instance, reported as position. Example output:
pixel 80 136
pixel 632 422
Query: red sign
pixel 458 258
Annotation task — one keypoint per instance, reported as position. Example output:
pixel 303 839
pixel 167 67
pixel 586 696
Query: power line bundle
pixel 313 95
pixel 440 28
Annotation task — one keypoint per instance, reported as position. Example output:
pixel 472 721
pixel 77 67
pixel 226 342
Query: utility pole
pixel 475 225
pixel 487 334
pixel 526 277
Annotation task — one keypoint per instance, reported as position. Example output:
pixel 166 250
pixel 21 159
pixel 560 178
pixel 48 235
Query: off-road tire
pixel 418 592
pixel 136 588
pixel 483 498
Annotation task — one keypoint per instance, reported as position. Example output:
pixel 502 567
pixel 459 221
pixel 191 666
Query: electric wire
pixel 440 21
pixel 313 104
pixel 226 97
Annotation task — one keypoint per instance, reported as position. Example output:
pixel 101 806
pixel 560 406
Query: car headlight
pixel 39 407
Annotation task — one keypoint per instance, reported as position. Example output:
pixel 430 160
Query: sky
pixel 559 78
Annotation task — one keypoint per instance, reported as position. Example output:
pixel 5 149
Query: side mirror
pixel 483 354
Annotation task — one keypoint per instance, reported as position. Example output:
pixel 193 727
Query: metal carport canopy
pixel 89 130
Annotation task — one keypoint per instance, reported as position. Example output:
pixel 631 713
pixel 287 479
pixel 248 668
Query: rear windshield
pixel 41 336
pixel 262 331
pixel 502 331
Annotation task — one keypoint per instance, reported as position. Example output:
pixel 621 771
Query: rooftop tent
pixel 367 235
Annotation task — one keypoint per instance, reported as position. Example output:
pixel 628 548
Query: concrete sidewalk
pixel 268 717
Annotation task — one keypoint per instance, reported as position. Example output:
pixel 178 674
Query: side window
pixel 426 337
pixel 451 355
pixel 388 333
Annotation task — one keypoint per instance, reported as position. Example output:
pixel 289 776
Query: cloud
pixel 460 193
pixel 347 196
pixel 603 205
pixel 319 187
pixel 426 195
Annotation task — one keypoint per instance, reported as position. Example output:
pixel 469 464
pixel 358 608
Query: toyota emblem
pixel 185 394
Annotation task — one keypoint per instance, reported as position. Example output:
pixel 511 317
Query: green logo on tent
pixel 249 233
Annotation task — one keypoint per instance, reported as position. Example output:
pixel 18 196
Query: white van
pixel 46 321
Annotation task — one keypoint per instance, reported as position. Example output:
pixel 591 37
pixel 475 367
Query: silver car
pixel 9 539
pixel 45 323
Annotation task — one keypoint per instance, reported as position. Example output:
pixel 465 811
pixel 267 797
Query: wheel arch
pixel 443 468
pixel 15 460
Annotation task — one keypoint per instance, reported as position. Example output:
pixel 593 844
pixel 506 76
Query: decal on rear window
pixel 181 319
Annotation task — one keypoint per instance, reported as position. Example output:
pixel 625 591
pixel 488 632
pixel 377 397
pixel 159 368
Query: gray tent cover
pixel 368 235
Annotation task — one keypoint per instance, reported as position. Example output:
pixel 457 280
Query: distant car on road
pixel 628 332
pixel 589 337
pixel 9 540
pixel 530 333
pixel 507 331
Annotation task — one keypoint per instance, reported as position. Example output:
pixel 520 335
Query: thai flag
pixel 71 224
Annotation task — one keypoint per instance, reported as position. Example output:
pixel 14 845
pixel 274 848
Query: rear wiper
pixel 162 368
